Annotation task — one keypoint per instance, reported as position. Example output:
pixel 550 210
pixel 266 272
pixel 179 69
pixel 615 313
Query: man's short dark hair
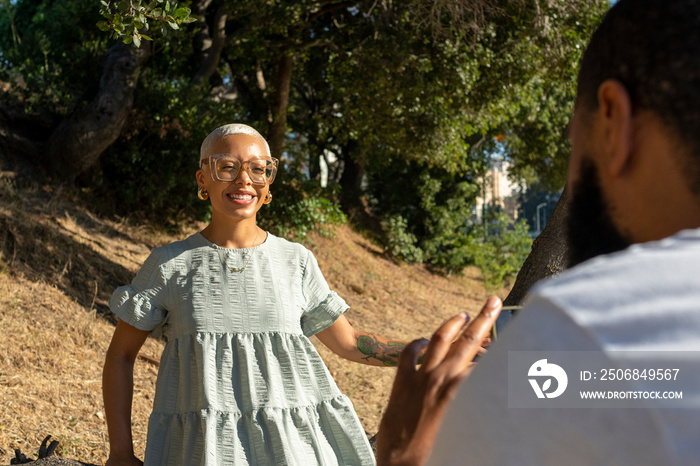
pixel 653 48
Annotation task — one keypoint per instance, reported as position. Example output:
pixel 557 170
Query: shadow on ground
pixel 45 241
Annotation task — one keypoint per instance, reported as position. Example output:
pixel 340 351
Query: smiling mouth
pixel 240 197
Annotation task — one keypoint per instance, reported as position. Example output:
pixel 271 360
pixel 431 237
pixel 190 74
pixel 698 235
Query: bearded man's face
pixel 591 230
pixel 590 227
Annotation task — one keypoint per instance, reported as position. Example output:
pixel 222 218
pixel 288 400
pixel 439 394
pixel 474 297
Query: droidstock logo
pixel 543 371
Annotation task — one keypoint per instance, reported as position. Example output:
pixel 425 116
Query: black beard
pixel 590 229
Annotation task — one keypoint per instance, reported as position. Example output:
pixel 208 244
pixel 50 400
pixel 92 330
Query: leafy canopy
pixel 127 19
pixel 408 96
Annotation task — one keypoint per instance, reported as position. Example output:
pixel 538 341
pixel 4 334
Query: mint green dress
pixel 239 381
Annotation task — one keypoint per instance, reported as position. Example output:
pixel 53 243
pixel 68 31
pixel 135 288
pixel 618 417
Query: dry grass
pixel 51 378
pixel 59 264
pixel 398 301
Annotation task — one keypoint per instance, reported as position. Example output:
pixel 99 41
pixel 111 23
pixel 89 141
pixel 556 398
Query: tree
pixel 78 141
pixel 548 256
pixel 511 75
pixel 407 93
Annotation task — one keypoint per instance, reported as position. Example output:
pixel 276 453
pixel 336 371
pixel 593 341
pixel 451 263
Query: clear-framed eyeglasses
pixel 226 168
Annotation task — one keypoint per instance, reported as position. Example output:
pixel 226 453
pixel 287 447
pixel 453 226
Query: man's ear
pixel 615 119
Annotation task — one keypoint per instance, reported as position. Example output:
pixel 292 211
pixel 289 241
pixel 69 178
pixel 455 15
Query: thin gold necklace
pixel 236 269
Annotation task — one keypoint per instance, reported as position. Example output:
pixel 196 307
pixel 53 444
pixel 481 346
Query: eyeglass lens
pixel 258 170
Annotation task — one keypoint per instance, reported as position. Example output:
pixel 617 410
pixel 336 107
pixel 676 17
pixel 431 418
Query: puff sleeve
pixel 142 303
pixel 322 307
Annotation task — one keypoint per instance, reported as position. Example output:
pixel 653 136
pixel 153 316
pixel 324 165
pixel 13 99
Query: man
pixel 634 238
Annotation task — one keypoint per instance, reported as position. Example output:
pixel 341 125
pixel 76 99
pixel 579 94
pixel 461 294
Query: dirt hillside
pixel 59 264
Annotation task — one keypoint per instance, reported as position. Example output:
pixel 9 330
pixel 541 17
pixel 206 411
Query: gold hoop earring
pixel 268 198
pixel 203 195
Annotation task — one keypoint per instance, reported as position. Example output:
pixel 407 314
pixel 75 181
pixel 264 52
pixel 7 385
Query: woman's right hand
pixel 128 461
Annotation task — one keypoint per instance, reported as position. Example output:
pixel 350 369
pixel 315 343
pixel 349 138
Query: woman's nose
pixel 243 177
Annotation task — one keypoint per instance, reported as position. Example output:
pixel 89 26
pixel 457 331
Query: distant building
pixel 497 190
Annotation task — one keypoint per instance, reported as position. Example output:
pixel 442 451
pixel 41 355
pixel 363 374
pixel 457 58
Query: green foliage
pixel 434 205
pixel 416 99
pixel 498 248
pixel 151 167
pixel 298 207
pixel 526 92
pixel 128 19
pixel 441 231
pixel 52 52
pixel 400 244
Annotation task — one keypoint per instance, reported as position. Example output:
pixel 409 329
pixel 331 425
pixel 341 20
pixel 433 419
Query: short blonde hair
pixel 225 130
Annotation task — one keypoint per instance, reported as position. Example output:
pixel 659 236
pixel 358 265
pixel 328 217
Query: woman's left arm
pixel 359 346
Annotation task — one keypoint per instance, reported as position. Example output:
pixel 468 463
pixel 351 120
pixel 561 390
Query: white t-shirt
pixel 646 298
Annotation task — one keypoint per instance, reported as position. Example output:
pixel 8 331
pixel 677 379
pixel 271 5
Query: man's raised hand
pixel 421 395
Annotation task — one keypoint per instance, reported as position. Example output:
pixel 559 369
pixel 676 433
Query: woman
pixel 239 380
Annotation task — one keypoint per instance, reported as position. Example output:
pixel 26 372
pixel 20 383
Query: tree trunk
pixel 209 45
pixel 315 166
pixel 548 256
pixel 351 179
pixel 352 198
pixel 280 102
pixel 317 148
pixel 76 145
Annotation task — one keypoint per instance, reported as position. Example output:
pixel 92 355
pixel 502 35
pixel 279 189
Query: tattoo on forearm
pixel 386 352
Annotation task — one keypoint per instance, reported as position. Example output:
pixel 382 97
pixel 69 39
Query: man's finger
pixel 412 351
pixel 442 340
pixel 469 343
pixel 409 358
